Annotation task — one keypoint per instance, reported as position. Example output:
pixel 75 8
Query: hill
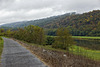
pixel 39 22
pixel 86 24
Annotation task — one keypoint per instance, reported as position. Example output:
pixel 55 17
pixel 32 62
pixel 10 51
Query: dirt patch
pixel 60 59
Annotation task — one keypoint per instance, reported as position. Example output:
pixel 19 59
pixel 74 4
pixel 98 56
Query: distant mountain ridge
pixel 39 22
pixel 86 24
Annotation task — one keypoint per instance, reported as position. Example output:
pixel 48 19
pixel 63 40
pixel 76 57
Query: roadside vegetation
pixel 63 41
pixel 77 50
pixel 1 47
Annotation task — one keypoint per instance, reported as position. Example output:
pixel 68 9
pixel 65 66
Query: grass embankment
pixel 92 54
pixel 1 47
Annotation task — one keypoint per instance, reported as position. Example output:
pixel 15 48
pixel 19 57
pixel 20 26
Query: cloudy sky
pixel 20 10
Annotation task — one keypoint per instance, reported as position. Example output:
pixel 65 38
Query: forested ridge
pixel 86 24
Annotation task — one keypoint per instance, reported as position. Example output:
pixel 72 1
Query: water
pixel 89 44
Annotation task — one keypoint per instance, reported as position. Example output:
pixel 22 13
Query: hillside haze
pixel 78 24
pixel 39 22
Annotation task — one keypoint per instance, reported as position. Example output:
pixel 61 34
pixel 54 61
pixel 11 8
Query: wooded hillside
pixel 78 24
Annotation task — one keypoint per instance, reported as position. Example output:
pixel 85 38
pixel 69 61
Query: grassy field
pixel 86 37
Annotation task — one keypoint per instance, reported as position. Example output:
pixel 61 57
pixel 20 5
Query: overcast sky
pixel 20 10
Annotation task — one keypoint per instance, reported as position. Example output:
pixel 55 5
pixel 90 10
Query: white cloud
pixel 20 10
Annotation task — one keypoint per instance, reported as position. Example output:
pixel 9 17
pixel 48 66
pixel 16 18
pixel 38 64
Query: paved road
pixel 14 55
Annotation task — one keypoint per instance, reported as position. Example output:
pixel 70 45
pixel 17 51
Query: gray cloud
pixel 20 10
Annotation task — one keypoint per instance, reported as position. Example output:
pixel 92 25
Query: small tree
pixel 63 40
pixel 35 34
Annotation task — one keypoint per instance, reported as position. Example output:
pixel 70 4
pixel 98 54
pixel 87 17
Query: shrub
pixel 50 40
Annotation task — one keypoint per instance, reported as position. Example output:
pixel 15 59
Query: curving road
pixel 14 55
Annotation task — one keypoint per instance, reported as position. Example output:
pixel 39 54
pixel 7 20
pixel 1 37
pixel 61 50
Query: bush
pixel 0 38
pixel 50 40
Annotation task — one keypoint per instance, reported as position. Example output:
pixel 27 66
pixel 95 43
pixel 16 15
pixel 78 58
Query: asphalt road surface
pixel 14 55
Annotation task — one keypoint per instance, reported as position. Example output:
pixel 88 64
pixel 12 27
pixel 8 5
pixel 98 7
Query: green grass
pixel 81 37
pixel 1 46
pixel 92 54
pixel 86 37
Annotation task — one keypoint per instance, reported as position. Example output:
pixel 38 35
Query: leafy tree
pixel 31 33
pixel 35 34
pixel 63 40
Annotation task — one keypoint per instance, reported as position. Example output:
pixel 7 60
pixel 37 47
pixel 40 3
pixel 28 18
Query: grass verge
pixel 1 47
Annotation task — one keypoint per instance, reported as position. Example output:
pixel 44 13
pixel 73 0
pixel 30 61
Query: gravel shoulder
pixel 14 55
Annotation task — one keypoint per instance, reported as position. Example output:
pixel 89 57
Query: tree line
pixel 35 34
